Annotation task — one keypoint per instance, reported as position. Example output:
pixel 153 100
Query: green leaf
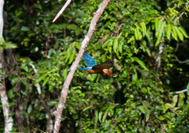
pixel 86 108
pixel 142 109
pixel 143 27
pixel 41 77
pixel 115 45
pixel 157 41
pixel 183 32
pixel 134 75
pixel 24 67
pixel 24 28
pixel 174 33
pixel 141 63
pixel 2 41
pixel 148 36
pixel 14 80
pixel 156 23
pixel 166 107
pixel 159 26
pixel 30 109
pixel 175 99
pixel 104 116
pixel 93 77
pixel 138 34
pixel 168 31
pixel 131 39
pixel 121 43
pixel 45 81
pixel 72 57
pixel 160 32
pixel 7 45
pixel 100 116
pixel 147 116
pixel 96 118
pixel 181 99
pixel 179 33
pixel 65 72
pixel 187 88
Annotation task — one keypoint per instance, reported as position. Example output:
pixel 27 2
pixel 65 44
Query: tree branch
pixel 62 10
pixel 177 92
pixel 181 62
pixel 37 84
pixel 64 92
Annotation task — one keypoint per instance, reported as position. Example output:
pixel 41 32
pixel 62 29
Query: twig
pixel 158 60
pixel 177 92
pixel 49 124
pixel 64 92
pixel 62 10
pixel 181 62
pixel 37 85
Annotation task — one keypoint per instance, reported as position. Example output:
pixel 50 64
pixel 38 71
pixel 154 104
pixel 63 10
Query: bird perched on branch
pixel 92 66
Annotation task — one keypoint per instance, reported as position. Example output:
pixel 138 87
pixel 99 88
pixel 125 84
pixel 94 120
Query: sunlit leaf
pixel 104 116
pixel 41 77
pixel 174 33
pixel 183 32
pixel 115 45
pixel 168 31
pixel 160 32
pixel 181 99
pixel 179 33
pixel 142 109
pixel 138 34
pixel 159 26
pixel 100 116
pixel 166 107
pixel 72 57
pixel 45 81
pixel 96 118
pixel 65 72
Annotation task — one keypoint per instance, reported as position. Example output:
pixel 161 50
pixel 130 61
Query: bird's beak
pixel 110 73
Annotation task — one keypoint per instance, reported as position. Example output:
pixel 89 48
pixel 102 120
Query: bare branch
pixel 181 62
pixel 62 10
pixel 64 93
pixel 177 92
pixel 37 84
pixel 158 59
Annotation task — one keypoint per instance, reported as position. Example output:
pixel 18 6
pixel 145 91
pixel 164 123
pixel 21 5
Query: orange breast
pixel 94 71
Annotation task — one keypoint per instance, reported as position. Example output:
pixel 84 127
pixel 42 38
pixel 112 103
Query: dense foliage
pixel 145 39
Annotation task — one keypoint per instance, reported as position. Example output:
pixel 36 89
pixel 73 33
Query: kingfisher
pixel 92 66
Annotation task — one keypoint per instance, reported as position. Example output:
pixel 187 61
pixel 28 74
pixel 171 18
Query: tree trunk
pixel 4 99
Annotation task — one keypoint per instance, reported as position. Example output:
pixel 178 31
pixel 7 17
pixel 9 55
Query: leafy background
pixel 141 37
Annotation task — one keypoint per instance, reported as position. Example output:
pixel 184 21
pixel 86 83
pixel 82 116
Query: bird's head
pixel 108 72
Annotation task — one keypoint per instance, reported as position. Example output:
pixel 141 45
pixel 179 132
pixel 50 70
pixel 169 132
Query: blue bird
pixel 92 66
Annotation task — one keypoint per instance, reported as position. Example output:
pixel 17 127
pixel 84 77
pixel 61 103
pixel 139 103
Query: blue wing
pixel 89 60
pixel 87 68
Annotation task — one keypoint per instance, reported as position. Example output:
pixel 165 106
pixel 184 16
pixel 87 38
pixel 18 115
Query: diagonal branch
pixel 64 93
pixel 181 62
pixel 177 92
pixel 62 10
